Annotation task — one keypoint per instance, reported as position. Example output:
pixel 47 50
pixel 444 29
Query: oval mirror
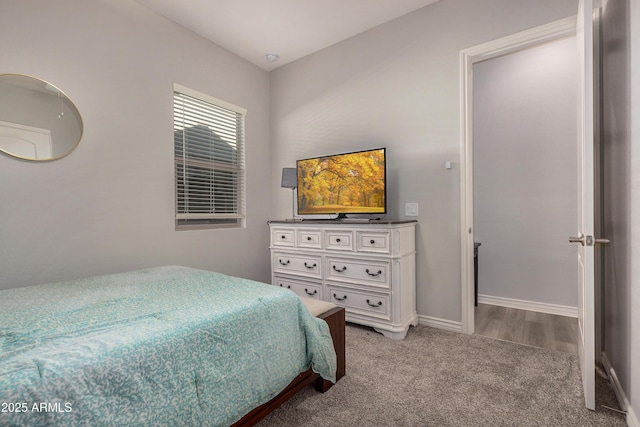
pixel 37 120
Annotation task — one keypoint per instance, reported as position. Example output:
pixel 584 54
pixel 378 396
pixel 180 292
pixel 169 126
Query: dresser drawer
pixel 365 272
pixel 301 288
pixel 369 303
pixel 304 265
pixel 373 241
pixel 283 237
pixel 339 240
pixel 310 239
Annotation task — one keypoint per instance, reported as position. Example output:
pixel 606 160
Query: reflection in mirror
pixel 37 120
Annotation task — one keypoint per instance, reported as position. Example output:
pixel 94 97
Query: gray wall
pixel 398 86
pixel 621 122
pixel 525 173
pixel 109 206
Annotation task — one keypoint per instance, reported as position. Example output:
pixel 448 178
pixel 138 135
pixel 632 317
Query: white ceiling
pixel 290 28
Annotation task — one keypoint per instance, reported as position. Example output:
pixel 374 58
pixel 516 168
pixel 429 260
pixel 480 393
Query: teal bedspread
pixel 169 346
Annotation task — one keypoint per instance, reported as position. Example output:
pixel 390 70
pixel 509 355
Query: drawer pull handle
pixel 374 274
pixel 283 237
pixel 310 293
pixel 282 286
pixel 283 263
pixel 308 238
pixel 338 298
pixel 338 240
pixel 339 271
pixel 374 305
pixel 372 241
pixel 310 266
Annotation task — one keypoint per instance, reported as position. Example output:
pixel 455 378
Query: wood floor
pixel 527 327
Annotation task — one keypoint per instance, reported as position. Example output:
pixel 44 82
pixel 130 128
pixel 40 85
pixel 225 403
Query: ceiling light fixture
pixel 272 57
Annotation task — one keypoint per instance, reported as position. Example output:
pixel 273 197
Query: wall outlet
pixel 411 209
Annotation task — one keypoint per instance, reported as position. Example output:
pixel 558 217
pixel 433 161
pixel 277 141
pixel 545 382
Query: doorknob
pixel 601 241
pixel 589 240
pixel 577 239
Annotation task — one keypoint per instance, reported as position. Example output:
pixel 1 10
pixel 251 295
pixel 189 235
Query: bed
pixel 162 346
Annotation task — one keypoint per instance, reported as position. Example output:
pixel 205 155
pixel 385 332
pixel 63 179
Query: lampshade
pixel 289 178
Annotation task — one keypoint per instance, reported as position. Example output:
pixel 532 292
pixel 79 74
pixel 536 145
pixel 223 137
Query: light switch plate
pixel 411 209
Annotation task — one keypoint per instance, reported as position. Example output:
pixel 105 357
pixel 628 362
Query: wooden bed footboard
pixel 336 320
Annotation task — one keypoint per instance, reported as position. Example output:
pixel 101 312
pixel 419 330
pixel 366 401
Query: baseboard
pixel 540 307
pixel 436 322
pixel 632 418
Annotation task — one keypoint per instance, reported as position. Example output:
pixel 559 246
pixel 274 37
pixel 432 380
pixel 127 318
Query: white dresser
pixel 366 267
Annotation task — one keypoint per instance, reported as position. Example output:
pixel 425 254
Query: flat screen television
pixel 349 183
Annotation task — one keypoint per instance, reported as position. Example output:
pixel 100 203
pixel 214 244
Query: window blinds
pixel 209 159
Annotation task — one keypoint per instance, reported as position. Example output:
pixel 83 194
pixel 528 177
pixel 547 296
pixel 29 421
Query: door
pixel 586 256
pixel 23 141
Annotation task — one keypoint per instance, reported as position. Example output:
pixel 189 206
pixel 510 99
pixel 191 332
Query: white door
pixel 23 141
pixel 586 240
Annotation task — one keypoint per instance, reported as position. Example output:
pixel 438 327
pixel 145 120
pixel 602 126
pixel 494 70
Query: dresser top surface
pixel 343 221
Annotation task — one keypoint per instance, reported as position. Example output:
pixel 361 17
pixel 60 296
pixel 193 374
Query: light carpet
pixel 440 378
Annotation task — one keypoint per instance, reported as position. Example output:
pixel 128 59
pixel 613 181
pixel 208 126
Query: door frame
pixel 536 36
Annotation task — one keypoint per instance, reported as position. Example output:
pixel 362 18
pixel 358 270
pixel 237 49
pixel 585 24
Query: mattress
pixel 164 346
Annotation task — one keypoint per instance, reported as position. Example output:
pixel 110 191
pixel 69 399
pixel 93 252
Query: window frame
pixel 198 220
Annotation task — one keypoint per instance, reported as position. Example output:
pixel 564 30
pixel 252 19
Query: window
pixel 209 158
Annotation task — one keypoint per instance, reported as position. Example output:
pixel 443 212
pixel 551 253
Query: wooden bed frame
pixel 336 321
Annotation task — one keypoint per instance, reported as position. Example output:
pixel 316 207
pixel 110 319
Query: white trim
pixel 435 322
pixel 623 401
pixel 632 418
pixel 208 98
pixel 515 42
pixel 540 307
pixel 565 27
pixel 25 142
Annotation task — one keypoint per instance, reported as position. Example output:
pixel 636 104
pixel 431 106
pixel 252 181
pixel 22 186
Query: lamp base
pixel 293 204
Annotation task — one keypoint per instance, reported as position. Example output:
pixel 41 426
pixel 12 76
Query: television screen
pixel 350 183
